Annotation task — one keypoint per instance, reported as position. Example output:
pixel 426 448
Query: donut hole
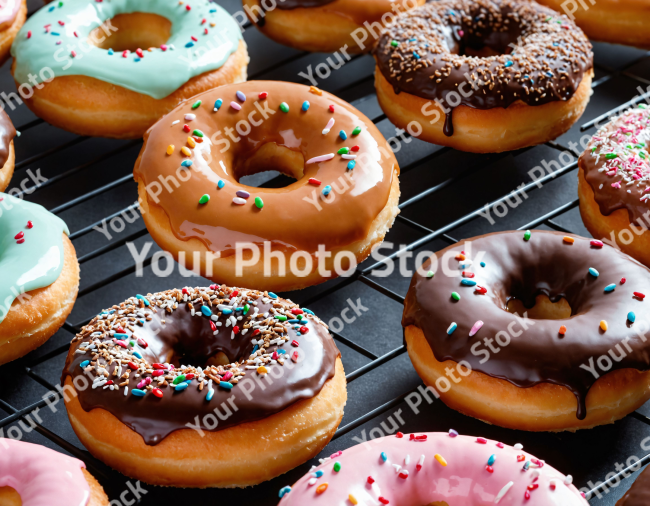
pixel 544 308
pixel 270 157
pixel 136 30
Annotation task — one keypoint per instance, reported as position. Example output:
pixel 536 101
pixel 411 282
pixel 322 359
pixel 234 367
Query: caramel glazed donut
pixel 12 16
pixel 506 74
pixel 586 366
pixel 32 475
pixel 342 204
pixel 448 469
pixel 265 391
pixel 613 184
pixel 7 153
pixel 325 26
pixel 114 68
pixel 39 276
pixel 609 20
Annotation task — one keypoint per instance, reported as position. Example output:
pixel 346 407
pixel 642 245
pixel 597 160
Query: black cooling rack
pixel 88 183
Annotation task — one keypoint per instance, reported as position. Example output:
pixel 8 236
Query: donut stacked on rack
pixel 235 385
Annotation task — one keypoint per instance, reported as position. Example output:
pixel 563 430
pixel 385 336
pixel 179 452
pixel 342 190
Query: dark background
pixel 90 179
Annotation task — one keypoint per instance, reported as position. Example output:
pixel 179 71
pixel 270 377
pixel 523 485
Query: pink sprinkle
pixel 477 326
pixel 227 375
pixel 29 34
pixel 164 47
pixel 235 106
pixel 321 158
pixel 461 33
pixel 617 184
pixel 194 38
pixel 329 126
pixel 61 23
pixel 623 280
pixel 500 445
pixel 481 440
pixel 595 243
pixel 337 454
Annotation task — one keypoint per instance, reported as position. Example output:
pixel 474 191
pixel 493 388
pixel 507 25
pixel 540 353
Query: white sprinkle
pixel 190 117
pixel 519 446
pixel 397 467
pixel 321 158
pixel 348 157
pixel 239 201
pixel 329 126
pixel 407 460
pixel 176 122
pixel 126 391
pixel 312 481
pixel 568 480
pixel 503 492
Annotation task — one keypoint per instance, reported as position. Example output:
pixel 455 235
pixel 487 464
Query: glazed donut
pixel 39 276
pixel 613 184
pixel 615 21
pixel 342 203
pixel 7 153
pixel 581 360
pixel 32 475
pixel 12 16
pixel 267 369
pixel 463 82
pixel 639 493
pixel 434 469
pixel 325 26
pixel 131 61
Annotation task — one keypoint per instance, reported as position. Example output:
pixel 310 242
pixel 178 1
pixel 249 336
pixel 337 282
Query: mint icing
pixel 35 263
pixel 156 73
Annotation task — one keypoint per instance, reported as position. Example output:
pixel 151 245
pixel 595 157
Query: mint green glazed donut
pixel 65 41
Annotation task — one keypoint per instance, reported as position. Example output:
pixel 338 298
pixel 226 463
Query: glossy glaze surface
pixel 297 217
pixel 408 471
pixel 523 351
pixel 202 38
pixel 31 249
pixel 42 477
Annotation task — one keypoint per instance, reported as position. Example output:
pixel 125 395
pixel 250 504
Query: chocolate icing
pixel 190 340
pixel 629 166
pixel 524 269
pixel 7 134
pixel 546 65
pixel 639 493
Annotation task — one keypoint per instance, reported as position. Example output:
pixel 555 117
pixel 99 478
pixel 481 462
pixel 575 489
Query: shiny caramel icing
pixel 219 144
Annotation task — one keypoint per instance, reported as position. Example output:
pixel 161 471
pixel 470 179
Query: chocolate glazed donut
pixel 523 371
pixel 496 57
pixel 7 156
pixel 261 368
pixel 639 493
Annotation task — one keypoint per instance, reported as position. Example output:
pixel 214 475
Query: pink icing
pixel 413 476
pixel 42 477
pixel 8 10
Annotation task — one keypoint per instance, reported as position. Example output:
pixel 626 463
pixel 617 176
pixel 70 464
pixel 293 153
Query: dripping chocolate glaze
pixel 610 199
pixel 192 338
pixel 639 493
pixel 546 65
pixel 525 269
pixel 7 134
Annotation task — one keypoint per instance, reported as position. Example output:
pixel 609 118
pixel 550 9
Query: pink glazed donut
pixel 433 469
pixel 33 475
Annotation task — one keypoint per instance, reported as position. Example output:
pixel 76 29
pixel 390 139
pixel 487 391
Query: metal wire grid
pixel 362 274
